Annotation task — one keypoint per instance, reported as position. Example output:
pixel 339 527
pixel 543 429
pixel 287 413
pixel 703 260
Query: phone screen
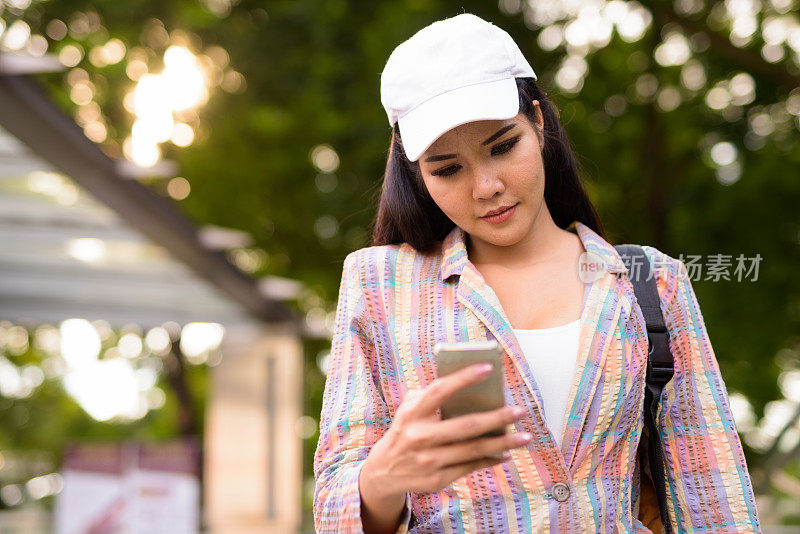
pixel 481 396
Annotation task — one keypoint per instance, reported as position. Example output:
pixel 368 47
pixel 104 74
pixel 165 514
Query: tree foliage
pixel 312 72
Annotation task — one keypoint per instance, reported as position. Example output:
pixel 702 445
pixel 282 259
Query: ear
pixel 538 113
pixel 538 124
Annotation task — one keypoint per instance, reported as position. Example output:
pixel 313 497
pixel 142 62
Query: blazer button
pixel 560 492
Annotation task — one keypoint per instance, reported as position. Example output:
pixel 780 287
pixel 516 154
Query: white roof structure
pixel 80 238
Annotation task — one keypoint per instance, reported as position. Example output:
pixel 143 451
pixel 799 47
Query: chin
pixel 502 238
pixel 506 242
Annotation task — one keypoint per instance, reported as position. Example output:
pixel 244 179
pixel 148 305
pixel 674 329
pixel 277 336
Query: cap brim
pixel 421 126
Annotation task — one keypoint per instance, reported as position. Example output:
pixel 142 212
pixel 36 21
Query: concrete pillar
pixel 253 456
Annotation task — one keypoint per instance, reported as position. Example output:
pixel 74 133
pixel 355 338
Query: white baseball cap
pixel 452 72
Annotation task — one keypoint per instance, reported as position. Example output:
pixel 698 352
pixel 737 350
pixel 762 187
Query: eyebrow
pixel 498 133
pixel 491 138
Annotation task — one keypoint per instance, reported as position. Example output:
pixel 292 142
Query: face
pixel 482 166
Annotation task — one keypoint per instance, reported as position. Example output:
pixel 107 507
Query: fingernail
pixel 484 368
pixel 516 411
pixel 523 437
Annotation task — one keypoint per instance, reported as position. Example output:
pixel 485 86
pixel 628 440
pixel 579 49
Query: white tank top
pixel 552 354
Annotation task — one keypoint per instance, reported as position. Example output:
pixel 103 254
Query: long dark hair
pixel 408 214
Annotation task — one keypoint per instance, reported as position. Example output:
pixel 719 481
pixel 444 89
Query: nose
pixel 486 183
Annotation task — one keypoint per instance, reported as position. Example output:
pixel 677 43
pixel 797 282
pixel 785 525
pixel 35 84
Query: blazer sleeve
pixel 708 485
pixel 354 414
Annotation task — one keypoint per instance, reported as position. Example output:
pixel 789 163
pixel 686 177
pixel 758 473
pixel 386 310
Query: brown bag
pixel 649 514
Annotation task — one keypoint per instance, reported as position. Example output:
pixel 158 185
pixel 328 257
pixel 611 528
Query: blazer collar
pixel 609 295
pixel 454 250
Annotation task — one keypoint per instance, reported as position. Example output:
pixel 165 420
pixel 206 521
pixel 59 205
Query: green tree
pixel 684 114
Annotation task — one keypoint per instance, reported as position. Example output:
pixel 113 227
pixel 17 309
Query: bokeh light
pixel 325 158
pixel 86 249
pixel 156 98
pixel 179 188
pixel 198 339
pixel 80 343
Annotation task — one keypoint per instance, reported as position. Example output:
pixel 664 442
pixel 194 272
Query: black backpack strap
pixel 660 365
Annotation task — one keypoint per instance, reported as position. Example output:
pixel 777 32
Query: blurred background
pixel 180 182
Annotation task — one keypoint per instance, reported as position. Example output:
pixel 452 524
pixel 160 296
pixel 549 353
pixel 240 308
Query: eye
pixel 497 150
pixel 504 147
pixel 447 171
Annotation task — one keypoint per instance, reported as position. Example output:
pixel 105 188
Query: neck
pixel 543 242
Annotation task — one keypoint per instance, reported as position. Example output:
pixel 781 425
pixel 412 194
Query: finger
pixel 473 425
pixel 440 389
pixel 449 474
pixel 476 449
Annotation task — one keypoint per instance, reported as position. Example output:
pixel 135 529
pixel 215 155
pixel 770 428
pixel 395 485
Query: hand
pixel 422 453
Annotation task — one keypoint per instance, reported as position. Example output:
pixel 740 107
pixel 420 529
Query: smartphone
pixel 482 396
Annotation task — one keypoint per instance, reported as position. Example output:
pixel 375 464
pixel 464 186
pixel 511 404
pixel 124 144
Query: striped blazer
pixel 396 303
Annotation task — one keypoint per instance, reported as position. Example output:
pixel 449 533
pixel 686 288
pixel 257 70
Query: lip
pixel 501 215
pixel 498 211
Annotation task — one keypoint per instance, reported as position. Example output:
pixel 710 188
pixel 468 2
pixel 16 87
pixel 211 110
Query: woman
pixel 473 135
